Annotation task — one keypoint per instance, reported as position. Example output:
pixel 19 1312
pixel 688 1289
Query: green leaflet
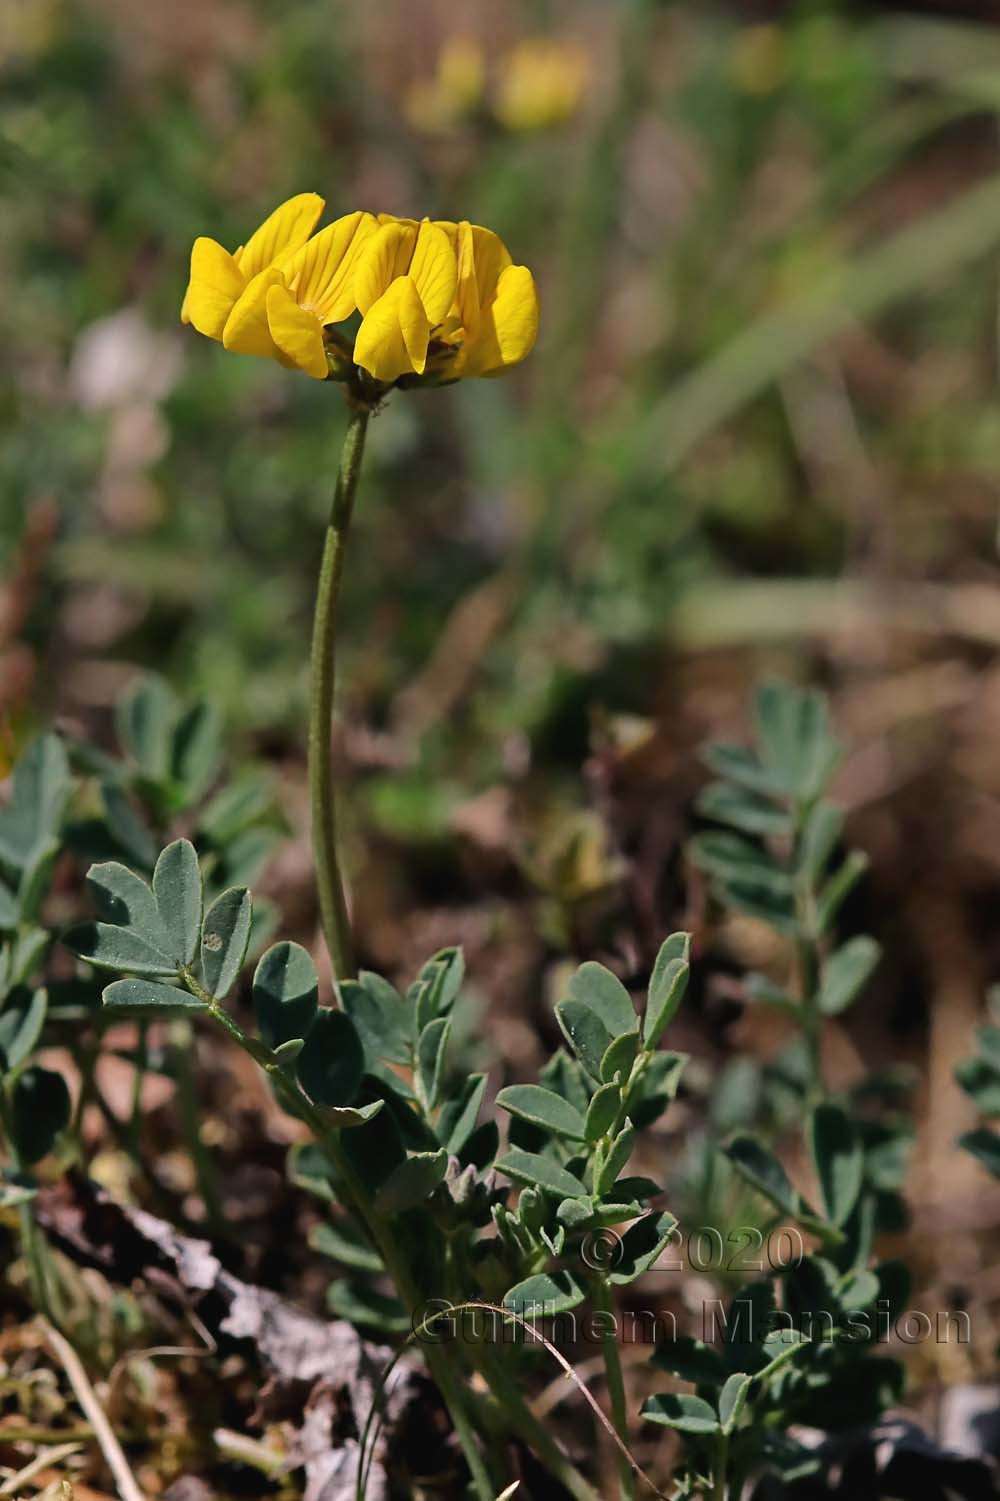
pixel 666 987
pixel 285 993
pixel 224 939
pixel 431 1049
pixel 679 1410
pixel 177 892
pixel 139 996
pixel 22 1016
pixel 331 1064
pixel 585 1032
pixel 838 1159
pixel 530 1102
pixel 540 1172
pixel 411 1182
pixel 544 1295
pixel 605 995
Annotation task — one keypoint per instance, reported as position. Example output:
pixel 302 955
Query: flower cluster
pixel 539 84
pixel 437 300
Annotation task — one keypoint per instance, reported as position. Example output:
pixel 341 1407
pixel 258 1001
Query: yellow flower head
pixel 542 83
pixel 437 300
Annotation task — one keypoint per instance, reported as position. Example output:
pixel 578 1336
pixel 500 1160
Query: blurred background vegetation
pixel 760 431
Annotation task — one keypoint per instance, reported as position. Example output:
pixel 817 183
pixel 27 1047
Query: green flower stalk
pixel 329 881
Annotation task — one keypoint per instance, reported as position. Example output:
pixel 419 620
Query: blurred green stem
pixel 32 1243
pixel 532 1430
pixel 809 959
pixel 184 1041
pixel 332 902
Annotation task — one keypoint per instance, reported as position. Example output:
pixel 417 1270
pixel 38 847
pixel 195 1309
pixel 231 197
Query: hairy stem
pixel 332 901
pixel 616 1382
pixel 719 1471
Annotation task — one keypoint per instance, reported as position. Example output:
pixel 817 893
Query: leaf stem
pixel 615 1380
pixel 332 901
pixel 719 1468
pixel 809 965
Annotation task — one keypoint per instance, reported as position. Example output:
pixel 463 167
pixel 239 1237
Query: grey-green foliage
pixel 169 769
pixel 573 1133
pixel 34 1101
pixel 429 1165
pixel 778 858
pixel 69 795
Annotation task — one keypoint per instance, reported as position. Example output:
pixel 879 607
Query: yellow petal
pixel 509 326
pixel 392 340
pixel 247 330
pixel 216 283
pixel 434 271
pixel 321 274
pixel 281 233
pixel 492 259
pixel 385 256
pixel 297 333
pixel 467 293
pixel 482 257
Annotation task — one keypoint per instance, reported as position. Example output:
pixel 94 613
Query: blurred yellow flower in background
pixel 541 83
pixel 454 92
pixel 538 84
pixel 438 300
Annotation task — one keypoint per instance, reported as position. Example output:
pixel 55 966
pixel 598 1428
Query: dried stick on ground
pixel 67 1357
pixel 324 1366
